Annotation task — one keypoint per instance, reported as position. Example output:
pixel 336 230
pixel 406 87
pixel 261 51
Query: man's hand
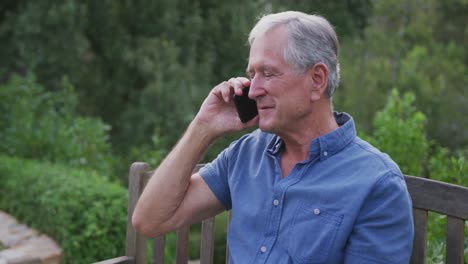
pixel 173 197
pixel 218 113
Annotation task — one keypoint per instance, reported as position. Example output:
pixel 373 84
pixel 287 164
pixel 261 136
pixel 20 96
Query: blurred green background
pixel 88 87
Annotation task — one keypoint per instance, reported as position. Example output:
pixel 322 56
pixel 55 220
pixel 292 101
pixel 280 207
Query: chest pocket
pixel 312 233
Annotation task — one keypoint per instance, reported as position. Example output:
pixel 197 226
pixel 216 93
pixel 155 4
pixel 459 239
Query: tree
pixel 403 48
pixel 134 62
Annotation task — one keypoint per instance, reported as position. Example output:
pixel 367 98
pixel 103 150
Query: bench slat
pixel 159 244
pixel 433 195
pixel 455 239
pixel 182 245
pixel 418 255
pixel 207 241
pixel 136 244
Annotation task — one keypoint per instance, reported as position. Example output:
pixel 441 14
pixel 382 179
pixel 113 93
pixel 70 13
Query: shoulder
pixel 248 147
pixel 376 164
pixel 256 137
pixel 254 143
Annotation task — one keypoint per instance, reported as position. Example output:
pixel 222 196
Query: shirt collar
pixel 326 145
pixel 331 143
pixel 275 145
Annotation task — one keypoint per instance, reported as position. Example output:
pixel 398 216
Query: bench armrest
pixel 118 260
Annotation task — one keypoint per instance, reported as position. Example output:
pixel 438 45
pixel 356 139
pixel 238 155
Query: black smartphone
pixel 246 107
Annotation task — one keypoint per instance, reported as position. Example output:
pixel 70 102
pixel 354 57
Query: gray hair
pixel 312 39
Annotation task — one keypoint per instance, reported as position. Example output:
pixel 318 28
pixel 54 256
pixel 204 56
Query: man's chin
pixel 266 127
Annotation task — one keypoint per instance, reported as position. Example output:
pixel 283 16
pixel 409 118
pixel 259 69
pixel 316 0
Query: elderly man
pixel 303 188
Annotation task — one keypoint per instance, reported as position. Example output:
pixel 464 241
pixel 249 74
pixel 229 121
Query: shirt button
pixel 263 249
pixel 325 153
pixel 275 202
pixel 316 211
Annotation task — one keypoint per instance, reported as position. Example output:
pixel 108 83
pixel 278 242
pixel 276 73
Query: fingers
pixel 239 84
pixel 233 86
pixel 226 91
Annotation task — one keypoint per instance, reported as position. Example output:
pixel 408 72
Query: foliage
pixel 350 18
pixel 399 131
pixel 142 65
pixel 82 211
pixel 44 125
pixel 449 168
pixel 418 47
pixel 152 154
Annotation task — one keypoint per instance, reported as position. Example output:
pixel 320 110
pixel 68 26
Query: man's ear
pixel 319 77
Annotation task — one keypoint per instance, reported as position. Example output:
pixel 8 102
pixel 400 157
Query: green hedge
pixel 84 212
pixel 43 125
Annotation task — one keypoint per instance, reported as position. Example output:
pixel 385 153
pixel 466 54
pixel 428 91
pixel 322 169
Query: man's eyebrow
pixel 262 67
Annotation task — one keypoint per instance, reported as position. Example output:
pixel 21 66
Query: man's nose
pixel 256 89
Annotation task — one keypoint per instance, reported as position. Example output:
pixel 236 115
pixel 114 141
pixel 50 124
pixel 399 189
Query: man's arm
pixel 173 197
pixel 172 187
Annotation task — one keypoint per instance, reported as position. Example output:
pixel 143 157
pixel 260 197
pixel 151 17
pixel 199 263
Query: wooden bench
pixel 427 195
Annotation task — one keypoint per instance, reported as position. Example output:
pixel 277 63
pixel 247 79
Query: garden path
pixel 21 244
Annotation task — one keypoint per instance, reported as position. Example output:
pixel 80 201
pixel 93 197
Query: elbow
pixel 143 226
pixel 148 226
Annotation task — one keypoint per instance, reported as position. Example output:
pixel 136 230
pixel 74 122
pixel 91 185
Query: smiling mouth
pixel 265 107
pixel 264 110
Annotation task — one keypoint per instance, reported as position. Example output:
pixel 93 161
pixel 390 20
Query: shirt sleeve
pixel 215 174
pixel 383 232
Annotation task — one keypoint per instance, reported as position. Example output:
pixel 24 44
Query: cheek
pixel 298 104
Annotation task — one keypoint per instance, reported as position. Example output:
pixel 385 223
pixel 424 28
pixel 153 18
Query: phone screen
pixel 246 107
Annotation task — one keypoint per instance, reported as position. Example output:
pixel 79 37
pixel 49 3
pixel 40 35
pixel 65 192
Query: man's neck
pixel 297 142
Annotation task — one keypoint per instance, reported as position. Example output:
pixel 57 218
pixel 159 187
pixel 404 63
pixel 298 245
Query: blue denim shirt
pixel 346 203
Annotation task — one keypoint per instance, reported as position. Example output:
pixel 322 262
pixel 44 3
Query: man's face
pixel 281 92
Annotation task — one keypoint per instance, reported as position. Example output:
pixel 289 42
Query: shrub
pixel 399 131
pixel 449 168
pixel 85 213
pixel 44 125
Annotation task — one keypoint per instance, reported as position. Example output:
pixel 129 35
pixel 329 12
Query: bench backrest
pixel 443 198
pixel 427 195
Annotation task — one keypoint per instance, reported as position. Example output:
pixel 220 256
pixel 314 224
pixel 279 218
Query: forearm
pixel 167 188
pixel 172 198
